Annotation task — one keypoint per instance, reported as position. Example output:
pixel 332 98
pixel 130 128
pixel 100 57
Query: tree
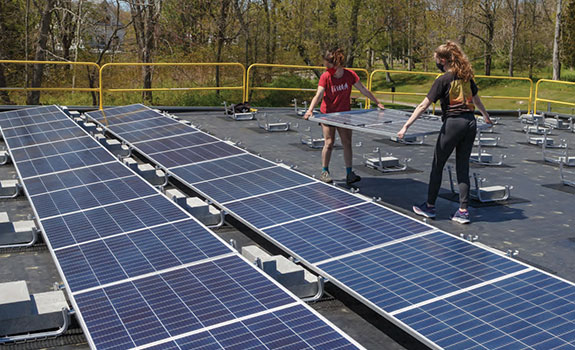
pixel 568 38
pixel 557 43
pixel 488 10
pixel 514 7
pixel 41 46
pixel 145 14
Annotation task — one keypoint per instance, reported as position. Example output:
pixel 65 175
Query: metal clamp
pixel 320 291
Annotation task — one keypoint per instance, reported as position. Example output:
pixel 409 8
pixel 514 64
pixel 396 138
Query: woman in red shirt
pixel 335 87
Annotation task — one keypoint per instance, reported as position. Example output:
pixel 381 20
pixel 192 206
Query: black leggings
pixel 456 133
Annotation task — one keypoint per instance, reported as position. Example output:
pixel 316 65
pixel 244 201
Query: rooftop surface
pixel 538 220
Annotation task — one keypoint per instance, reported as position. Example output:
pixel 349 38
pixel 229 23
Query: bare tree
pixel 145 14
pixel 222 21
pixel 557 42
pixel 514 6
pixel 33 97
pixel 487 16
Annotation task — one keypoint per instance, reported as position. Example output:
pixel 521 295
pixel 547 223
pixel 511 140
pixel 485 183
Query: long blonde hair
pixel 458 60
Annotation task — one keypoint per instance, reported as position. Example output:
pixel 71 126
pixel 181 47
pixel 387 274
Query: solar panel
pixel 531 310
pixel 195 154
pixel 66 161
pixel 176 142
pixel 344 231
pixel 139 269
pixel 31 119
pixel 35 128
pixel 117 115
pixel 252 184
pixel 90 196
pixel 298 203
pixel 157 132
pixel 55 148
pixel 44 137
pixel 179 301
pixel 136 125
pixel 221 167
pixel 386 122
pixel 418 269
pixel 145 251
pixel 76 177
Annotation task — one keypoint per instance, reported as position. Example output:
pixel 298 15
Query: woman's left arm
pixel 365 92
pixel 477 102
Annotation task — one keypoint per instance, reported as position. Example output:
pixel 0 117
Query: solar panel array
pixel 141 272
pixel 447 292
pixel 385 122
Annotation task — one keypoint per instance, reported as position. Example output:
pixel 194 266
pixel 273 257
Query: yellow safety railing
pixel 394 93
pixel 61 63
pixel 289 66
pixel 187 64
pixel 529 98
pixel 538 99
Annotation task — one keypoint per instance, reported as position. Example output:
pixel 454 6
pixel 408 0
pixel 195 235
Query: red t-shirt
pixel 337 94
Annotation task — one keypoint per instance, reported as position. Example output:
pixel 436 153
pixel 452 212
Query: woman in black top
pixel 458 95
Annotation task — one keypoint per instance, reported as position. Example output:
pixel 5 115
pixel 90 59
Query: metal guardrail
pixel 538 99
pixel 529 98
pixel 164 64
pixel 249 87
pixel 394 93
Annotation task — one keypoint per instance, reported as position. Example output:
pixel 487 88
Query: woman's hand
pixel 380 106
pixel 307 115
pixel 402 132
pixel 487 120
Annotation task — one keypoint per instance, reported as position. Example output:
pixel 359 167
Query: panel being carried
pixel 406 270
pixel 140 272
pixel 386 122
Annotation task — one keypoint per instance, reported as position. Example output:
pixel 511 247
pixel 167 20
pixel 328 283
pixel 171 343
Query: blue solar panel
pixel 114 219
pixel 119 257
pixel 252 184
pixel 292 328
pixel 297 203
pixel 78 177
pixel 419 269
pixel 176 142
pixel 138 125
pixel 172 303
pixel 156 132
pixel 54 148
pixel 122 114
pixel 38 128
pixel 220 167
pixel 31 116
pixel 41 110
pixel 91 196
pixel 63 162
pixel 531 310
pixel 344 231
pixel 48 136
pixel 191 155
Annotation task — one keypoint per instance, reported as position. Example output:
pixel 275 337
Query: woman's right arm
pixel 416 113
pixel 318 95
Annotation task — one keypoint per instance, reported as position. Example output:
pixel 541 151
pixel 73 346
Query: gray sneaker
pixel 352 178
pixel 325 177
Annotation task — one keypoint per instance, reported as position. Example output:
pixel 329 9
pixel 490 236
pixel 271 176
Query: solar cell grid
pixel 291 328
pixel 118 257
pixel 179 301
pixel 194 154
pixel 46 137
pixel 419 269
pixel 529 311
pixel 138 125
pixel 220 167
pixel 56 115
pixel 77 177
pixel 252 184
pixel 156 132
pixel 24 112
pixel 63 162
pixel 55 148
pixel 118 113
pixel 344 231
pixel 91 196
pixel 38 128
pixel 176 142
pixel 114 219
pixel 297 203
